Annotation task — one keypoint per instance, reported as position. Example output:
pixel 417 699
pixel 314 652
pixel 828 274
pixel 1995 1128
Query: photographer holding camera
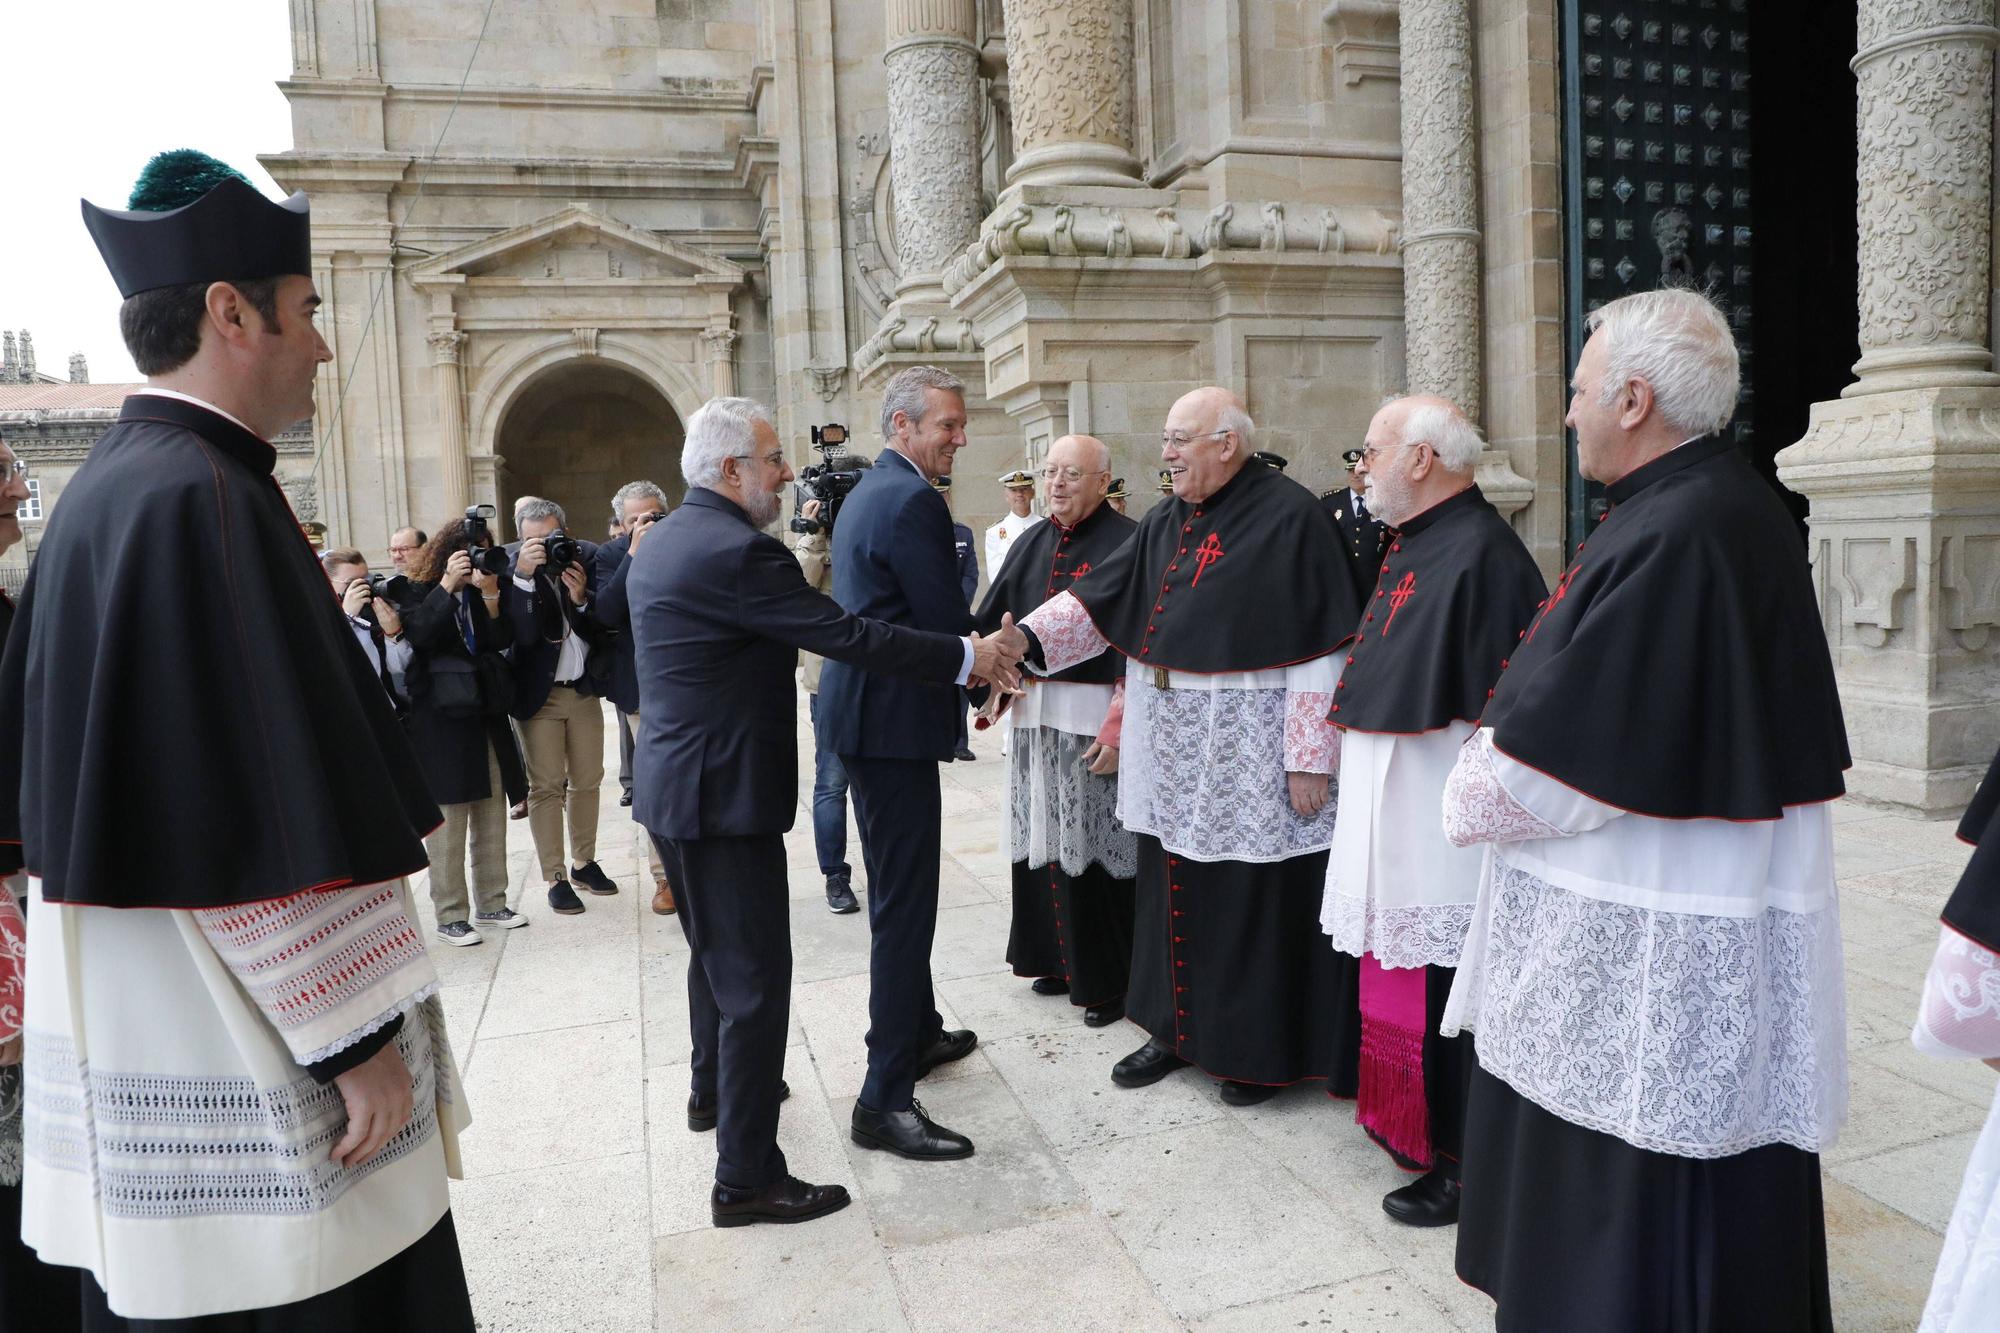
pixel 373 617
pixel 556 699
pixel 636 505
pixel 456 618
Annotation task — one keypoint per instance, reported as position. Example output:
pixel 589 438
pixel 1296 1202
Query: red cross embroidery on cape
pixel 1205 555
pixel 1079 571
pixel 1402 593
pixel 1562 590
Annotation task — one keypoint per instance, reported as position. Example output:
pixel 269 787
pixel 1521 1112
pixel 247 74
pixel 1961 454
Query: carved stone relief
pixel 934 155
pixel 1440 238
pixel 1070 85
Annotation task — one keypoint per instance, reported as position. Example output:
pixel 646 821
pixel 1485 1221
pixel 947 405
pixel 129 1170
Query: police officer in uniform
pixel 1364 537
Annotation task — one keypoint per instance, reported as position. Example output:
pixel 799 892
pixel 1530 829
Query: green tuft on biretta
pixel 177 178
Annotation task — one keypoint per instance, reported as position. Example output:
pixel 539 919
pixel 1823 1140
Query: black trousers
pixel 735 909
pixel 421 1290
pixel 1077 927
pixel 34 1297
pixel 897 809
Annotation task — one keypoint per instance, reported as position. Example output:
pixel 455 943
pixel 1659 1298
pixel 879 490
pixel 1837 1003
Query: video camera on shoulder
pixel 828 481
pixel 487 556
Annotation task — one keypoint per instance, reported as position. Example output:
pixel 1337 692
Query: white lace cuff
pixel 1959 1016
pixel 1066 632
pixel 1479 808
pixel 1312 744
pixel 326 967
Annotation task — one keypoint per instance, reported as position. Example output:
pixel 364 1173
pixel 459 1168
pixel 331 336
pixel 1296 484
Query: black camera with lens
pixel 486 558
pixel 391 588
pixel 828 481
pixel 562 550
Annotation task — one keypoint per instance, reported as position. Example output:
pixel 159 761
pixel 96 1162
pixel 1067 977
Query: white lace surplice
pixel 1960 1019
pixel 1058 811
pixel 1395 886
pixel 175 1145
pixel 1674 983
pixel 1204 760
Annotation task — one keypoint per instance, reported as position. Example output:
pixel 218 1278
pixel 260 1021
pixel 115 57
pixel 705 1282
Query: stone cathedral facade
pixel 543 247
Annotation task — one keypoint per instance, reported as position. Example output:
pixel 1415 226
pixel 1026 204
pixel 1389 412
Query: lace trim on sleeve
pixel 1067 634
pixel 1959 1016
pixel 1479 808
pixel 1312 744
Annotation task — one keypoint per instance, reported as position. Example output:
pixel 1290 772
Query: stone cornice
pixel 724 96
pixel 704 174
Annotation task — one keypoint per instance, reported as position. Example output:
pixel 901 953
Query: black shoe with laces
pixel 593 880
pixel 786 1199
pixel 1431 1200
pixel 625 801
pixel 840 894
pixel 910 1134
pixel 964 754
pixel 951 1045
pixel 563 900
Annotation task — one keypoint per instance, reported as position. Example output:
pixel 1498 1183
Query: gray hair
pixel 1677 341
pixel 905 394
pixel 540 509
pixel 1444 428
pixel 721 428
pixel 1232 418
pixel 635 490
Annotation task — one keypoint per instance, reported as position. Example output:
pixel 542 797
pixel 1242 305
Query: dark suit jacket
pixel 1363 540
pixel 719 611
pixel 893 561
pixel 611 611
pixel 538 620
pixel 968 561
pixel 452 750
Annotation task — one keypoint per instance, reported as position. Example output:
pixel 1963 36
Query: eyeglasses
pixel 1072 475
pixel 773 460
pixel 394 549
pixel 1373 452
pixel 1183 441
pixel 17 470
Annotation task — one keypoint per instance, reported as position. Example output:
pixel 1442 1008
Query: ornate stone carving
pixel 1069 74
pixel 1440 227
pixel 933 136
pixel 447 345
pixel 447 357
pixel 586 341
pixel 303 492
pixel 1969 581
pixel 79 369
pixel 826 381
pixel 1925 75
pixel 1364 39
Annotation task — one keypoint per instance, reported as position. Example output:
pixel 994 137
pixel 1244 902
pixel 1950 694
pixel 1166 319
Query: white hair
pixel 905 394
pixel 1677 341
pixel 634 490
pixel 1444 428
pixel 721 428
pixel 1230 417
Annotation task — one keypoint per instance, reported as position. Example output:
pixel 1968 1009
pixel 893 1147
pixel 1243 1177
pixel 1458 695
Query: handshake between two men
pixel 996 658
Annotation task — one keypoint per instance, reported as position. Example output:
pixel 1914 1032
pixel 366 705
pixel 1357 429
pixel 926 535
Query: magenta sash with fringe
pixel 1390 1104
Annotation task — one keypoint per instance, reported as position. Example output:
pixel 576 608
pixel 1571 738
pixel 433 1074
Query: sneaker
pixel 459 933
pixel 840 894
pixel 504 919
pixel 592 880
pixel 563 900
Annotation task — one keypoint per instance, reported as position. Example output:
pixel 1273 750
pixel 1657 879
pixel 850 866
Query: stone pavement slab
pixel 1087 1206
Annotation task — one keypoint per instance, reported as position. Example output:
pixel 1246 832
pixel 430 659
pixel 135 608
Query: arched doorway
pixel 580 430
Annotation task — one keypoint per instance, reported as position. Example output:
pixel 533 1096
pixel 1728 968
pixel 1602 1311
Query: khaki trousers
pixel 652 852
pixel 564 748
pixel 481 825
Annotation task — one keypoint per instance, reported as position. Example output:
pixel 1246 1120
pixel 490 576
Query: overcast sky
pixel 92 89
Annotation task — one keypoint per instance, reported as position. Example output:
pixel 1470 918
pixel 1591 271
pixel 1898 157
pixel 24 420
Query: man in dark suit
pixel 637 504
pixel 719 610
pixel 893 548
pixel 556 703
pixel 1364 539
pixel 968 579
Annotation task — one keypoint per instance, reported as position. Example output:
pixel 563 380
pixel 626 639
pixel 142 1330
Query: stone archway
pixel 578 431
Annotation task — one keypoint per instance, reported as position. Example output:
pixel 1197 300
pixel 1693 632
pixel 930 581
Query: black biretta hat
pixel 228 232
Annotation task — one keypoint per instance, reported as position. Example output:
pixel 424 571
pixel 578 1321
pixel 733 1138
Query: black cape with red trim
pixel 1045 561
pixel 1249 579
pixel 1456 588
pixel 1974 908
pixel 1679 667
pixel 186 719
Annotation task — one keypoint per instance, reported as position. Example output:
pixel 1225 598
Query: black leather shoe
pixel 701 1112
pixel 1146 1066
pixel 964 754
pixel 592 880
pixel 1050 986
pixel 840 893
pixel 1104 1015
pixel 950 1045
pixel 910 1134
pixel 786 1199
pixel 563 900
pixel 626 800
pixel 1248 1094
pixel 1431 1200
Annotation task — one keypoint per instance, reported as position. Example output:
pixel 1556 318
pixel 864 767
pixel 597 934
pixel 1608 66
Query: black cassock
pixel 1076 925
pixel 1693 596
pixel 1974 908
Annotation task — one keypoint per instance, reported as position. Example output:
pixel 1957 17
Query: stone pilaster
pixel 933 66
pixel 721 344
pixel 1069 75
pixel 447 346
pixel 1903 471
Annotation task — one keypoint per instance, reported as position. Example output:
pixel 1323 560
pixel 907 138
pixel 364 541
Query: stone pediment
pixel 576 245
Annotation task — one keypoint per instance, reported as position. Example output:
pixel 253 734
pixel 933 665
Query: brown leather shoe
pixel 663 898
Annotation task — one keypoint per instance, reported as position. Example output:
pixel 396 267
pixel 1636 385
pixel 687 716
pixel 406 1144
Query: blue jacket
pixel 622 681
pixel 538 632
pixel 893 560
pixel 718 612
pixel 968 561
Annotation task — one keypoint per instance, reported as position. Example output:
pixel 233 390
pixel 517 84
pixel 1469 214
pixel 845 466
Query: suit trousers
pixel 897 808
pixel 735 908
pixel 628 726
pixel 481 826
pixel 563 744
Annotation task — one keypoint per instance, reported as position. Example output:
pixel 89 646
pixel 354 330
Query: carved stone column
pixel 1069 74
pixel 447 345
pixel 934 95
pixel 1903 470
pixel 721 344
pixel 1440 202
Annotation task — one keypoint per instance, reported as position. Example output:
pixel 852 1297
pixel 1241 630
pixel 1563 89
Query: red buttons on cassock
pixel 1336 708
pixel 1180 962
pixel 1503 664
pixel 1183 1014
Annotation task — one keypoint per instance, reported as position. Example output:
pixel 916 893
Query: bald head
pixel 1207 440
pixel 1077 473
